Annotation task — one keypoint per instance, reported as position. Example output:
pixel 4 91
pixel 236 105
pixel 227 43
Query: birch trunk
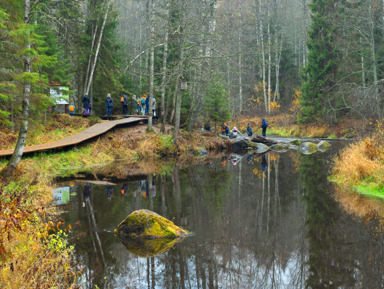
pixel 269 56
pixel 240 67
pixel 178 92
pixel 263 56
pixel 19 149
pixel 90 61
pixel 152 66
pixel 164 72
pixel 98 48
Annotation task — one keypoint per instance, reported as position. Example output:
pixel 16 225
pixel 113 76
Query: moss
pixel 148 247
pixel 147 224
pixel 295 142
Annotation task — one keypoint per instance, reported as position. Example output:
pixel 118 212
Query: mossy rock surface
pixel 308 148
pixel 323 145
pixel 148 225
pixel 280 147
pixel 148 247
pixel 295 142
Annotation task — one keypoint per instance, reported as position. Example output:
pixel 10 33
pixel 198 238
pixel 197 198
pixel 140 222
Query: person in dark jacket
pixel 249 130
pixel 124 104
pixel 264 126
pixel 86 104
pixel 109 104
pixel 147 105
pixel 207 126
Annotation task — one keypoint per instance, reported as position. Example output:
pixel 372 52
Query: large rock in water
pixel 239 146
pixel 146 234
pixel 308 148
pixel 148 225
pixel 323 145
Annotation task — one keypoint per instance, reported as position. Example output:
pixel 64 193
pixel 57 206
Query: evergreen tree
pixel 217 103
pixel 320 71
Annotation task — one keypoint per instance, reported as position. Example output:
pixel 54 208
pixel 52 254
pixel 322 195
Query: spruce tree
pixel 320 72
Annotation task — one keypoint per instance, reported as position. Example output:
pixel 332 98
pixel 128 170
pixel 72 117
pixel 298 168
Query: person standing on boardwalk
pixel 71 109
pixel 86 104
pixel 142 106
pixel 264 125
pixel 109 104
pixel 124 103
pixel 147 105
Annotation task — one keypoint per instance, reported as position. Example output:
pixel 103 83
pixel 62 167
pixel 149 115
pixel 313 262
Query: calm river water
pixel 262 222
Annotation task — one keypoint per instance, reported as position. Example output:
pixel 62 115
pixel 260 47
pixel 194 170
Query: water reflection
pixel 265 222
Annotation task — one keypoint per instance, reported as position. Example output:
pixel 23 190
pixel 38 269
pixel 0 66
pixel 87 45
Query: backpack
pixel 143 101
pixel 122 99
pixel 71 108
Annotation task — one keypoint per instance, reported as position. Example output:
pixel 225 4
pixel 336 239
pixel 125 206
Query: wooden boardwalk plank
pixel 89 133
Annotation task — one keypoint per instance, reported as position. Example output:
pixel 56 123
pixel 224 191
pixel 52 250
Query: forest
pixel 201 59
pixel 272 215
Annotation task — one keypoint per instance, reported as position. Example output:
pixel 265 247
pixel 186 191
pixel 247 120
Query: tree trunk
pixel 263 56
pixel 240 67
pixel 98 48
pixel 89 61
pixel 178 92
pixel 18 152
pixel 269 56
pixel 374 68
pixel 152 66
pixel 211 28
pixel 164 72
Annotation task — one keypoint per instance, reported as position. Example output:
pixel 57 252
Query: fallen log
pixel 263 140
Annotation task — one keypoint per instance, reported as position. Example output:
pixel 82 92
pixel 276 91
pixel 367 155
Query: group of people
pixel 234 132
pixel 142 104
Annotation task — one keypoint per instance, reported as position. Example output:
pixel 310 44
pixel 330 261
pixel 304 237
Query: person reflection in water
pixel 144 188
pixel 124 189
pixel 249 158
pixel 86 193
pixel 264 165
pixel 109 192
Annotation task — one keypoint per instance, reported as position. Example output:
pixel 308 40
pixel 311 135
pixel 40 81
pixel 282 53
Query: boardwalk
pixel 90 133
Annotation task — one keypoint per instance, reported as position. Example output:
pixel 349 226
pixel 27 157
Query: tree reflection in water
pixel 275 227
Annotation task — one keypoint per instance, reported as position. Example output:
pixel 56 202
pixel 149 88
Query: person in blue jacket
pixel 249 130
pixel 109 104
pixel 264 126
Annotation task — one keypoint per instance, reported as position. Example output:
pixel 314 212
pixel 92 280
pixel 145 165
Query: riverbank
pixel 359 171
pixel 285 125
pixel 33 240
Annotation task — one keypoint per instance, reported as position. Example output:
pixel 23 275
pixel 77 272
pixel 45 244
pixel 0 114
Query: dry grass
pixel 360 168
pixel 358 205
pixel 356 163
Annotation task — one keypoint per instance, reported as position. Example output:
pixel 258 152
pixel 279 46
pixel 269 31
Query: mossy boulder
pixel 280 147
pixel 148 225
pixel 323 145
pixel 148 247
pixel 258 147
pixel 308 148
pixel 295 142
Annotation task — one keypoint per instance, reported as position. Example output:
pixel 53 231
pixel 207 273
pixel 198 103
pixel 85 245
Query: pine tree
pixel 218 104
pixel 320 71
